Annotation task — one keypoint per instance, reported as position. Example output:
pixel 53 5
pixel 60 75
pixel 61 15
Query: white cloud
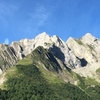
pixel 6 41
pixel 40 16
pixel 37 18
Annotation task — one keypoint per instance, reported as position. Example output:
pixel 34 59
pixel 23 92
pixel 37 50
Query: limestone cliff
pixel 7 57
pixel 80 55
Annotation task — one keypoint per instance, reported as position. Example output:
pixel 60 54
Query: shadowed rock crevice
pixel 47 58
pixel 58 53
pixel 52 59
pixel 83 62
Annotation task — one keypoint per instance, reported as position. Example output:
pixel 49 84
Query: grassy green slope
pixel 90 86
pixel 98 71
pixel 35 78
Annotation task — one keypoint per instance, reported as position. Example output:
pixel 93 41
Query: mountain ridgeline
pixel 47 68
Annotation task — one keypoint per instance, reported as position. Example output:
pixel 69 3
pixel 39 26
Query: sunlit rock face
pixel 88 38
pixel 7 57
pixel 87 49
pixel 80 55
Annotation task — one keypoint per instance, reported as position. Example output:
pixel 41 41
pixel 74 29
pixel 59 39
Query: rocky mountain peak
pixel 88 38
pixel 56 38
pixel 88 35
pixel 69 39
pixel 75 53
pixel 43 35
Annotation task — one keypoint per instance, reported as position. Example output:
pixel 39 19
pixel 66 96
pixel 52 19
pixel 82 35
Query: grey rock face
pixel 87 50
pixel 80 55
pixel 7 57
pixel 88 38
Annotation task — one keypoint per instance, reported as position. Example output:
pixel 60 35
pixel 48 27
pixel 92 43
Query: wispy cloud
pixel 6 41
pixel 6 10
pixel 40 16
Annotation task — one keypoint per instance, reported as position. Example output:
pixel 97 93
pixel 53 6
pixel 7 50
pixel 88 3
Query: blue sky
pixel 27 18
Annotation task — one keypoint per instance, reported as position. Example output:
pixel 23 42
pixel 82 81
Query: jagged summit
pixel 88 38
pixel 70 38
pixel 51 59
pixel 41 38
pixel 88 35
pixel 75 53
pixel 42 35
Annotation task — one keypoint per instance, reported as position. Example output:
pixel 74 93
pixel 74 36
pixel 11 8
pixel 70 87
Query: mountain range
pixel 76 61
